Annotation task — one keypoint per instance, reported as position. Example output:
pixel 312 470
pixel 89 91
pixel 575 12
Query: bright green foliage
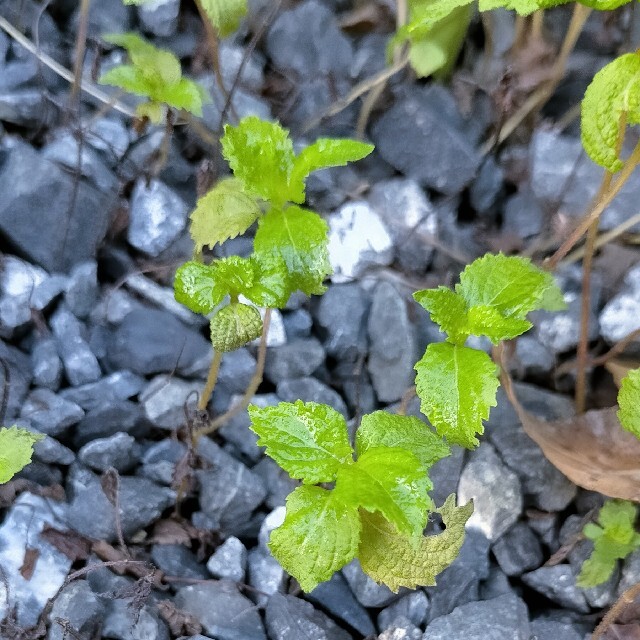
pixel 16 449
pixel 155 74
pixel 308 440
pixel 614 538
pixel 225 15
pixel 383 429
pixel 320 535
pixel 457 387
pixel 223 213
pixel 235 325
pixel 629 402
pixel 392 482
pixel 522 7
pixel 448 310
pixel 604 5
pixel 395 559
pixel 299 237
pixel 611 101
pixel 322 528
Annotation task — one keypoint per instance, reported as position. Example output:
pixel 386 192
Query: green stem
pixel 212 379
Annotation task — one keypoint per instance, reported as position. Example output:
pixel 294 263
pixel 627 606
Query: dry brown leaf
pixel 171 532
pixel 619 368
pixel 72 544
pixel 179 621
pixel 29 563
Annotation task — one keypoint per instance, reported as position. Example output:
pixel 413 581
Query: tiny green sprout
pixel 154 74
pixel 16 449
pixel 614 538
pixel 378 508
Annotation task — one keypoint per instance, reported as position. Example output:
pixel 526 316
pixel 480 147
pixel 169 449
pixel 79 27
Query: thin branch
pixel 212 378
pixel 626 599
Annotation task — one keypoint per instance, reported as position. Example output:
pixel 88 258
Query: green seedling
pixel 16 449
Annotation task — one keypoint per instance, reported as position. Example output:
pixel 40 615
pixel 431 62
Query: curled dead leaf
pixel 619 368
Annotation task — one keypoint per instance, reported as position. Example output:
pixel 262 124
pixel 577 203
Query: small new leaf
pixel 391 481
pixel 234 326
pixel 323 153
pixel 225 15
pixel 457 387
pixel 223 213
pixel 394 560
pixel 319 535
pixel 261 156
pixel 383 429
pixel 611 100
pixel 299 237
pixel 16 449
pixel 308 440
pixel 629 402
pixel 448 310
pixel 614 538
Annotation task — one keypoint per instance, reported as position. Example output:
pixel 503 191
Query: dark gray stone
pixel 50 451
pixel 49 413
pixel 118 451
pixel 20 530
pixel 26 107
pixel 486 187
pixel 121 622
pixel 46 363
pixel 19 378
pixel 108 135
pixel 236 370
pixel 157 216
pixel 410 218
pixel 423 136
pixel 168 399
pixel 295 359
pixel 413 607
pixel 445 475
pixel 368 592
pixel 36 195
pixel 297 324
pixel 307 40
pixel 229 562
pixel 229 492
pixel 495 490
pixel 518 550
pixel 558 584
pixel 109 16
pixel 402 629
pixel 159 17
pixel 119 385
pixel 552 630
pixel 532 358
pixel 80 364
pixel 341 315
pixel 265 575
pixel 393 344
pixel 506 617
pixel 310 390
pixel 153 341
pixel 82 289
pixel 290 618
pixel 497 584
pixel 160 460
pixel 222 610
pixel 277 482
pixel 108 419
pixel 79 607
pixel 522 215
pixel 91 514
pixel 177 560
pixel 335 597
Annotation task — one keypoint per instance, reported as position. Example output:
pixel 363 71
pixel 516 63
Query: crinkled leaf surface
pixel 260 154
pixel 16 449
pixel 223 213
pixel 487 321
pixel 308 440
pixel 522 7
pixel 320 534
pixel 299 237
pixel 614 90
pixel 391 481
pixel 384 429
pixel 457 387
pixel 234 326
pixel 271 287
pixel 629 402
pixel 225 15
pixel 324 152
pixel 513 286
pixel 448 310
pixel 424 15
pixel 394 560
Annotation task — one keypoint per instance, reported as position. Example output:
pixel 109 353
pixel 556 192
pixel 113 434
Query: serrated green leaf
pixel 521 7
pixel 127 77
pixel 225 15
pixel 271 286
pixel 614 91
pixel 512 285
pixel 487 321
pixel 384 429
pixel 391 481
pixel 457 387
pixel 16 449
pixel 595 570
pixel 185 94
pixel 319 535
pixel 260 154
pixel 324 152
pixel 448 310
pixel 299 237
pixel 234 326
pixel 604 5
pixel 308 440
pixel 224 212
pixel 424 15
pixel 618 515
pixel 394 560
pixel 629 402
